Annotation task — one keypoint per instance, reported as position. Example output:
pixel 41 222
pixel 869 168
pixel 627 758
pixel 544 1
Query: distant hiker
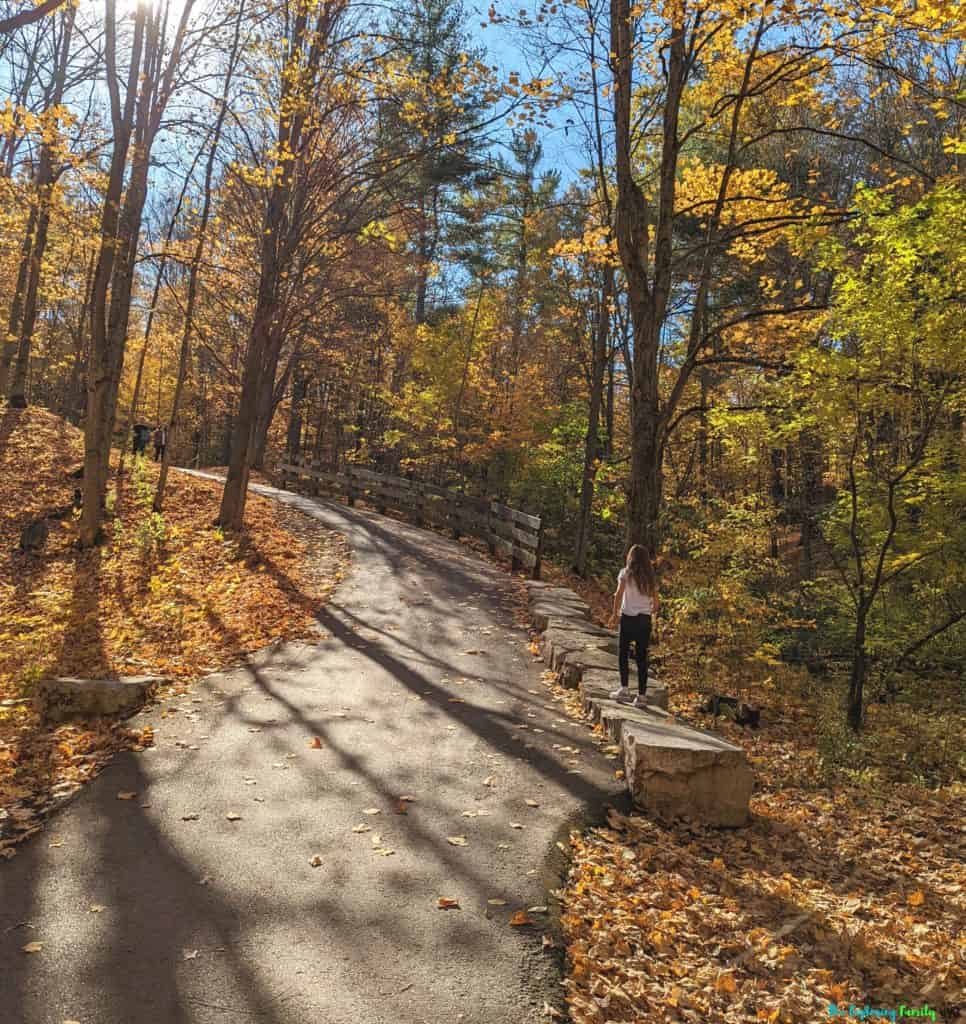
pixel 141 434
pixel 636 599
pixel 160 442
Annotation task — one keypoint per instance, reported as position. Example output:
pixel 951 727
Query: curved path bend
pixel 422 686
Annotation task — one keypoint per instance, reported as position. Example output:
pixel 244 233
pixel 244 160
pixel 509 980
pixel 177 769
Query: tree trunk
pixel 72 406
pixel 8 352
pixel 598 364
pixel 809 446
pixel 44 184
pixel 18 388
pixel 648 290
pixel 859 666
pixel 293 438
pixel 646 486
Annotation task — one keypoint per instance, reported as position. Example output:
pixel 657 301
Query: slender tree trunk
pixel 293 438
pixel 592 438
pixel 73 404
pixel 44 185
pixel 18 387
pixel 859 666
pixel 8 351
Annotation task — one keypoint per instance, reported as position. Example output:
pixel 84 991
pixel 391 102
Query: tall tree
pixel 153 67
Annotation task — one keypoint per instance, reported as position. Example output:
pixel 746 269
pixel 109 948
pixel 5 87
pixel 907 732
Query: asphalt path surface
pixel 197 901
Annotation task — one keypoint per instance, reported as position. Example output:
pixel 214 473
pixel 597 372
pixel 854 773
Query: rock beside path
pixel 673 770
pixel 63 698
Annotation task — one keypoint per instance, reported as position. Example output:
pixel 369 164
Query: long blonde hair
pixel 640 568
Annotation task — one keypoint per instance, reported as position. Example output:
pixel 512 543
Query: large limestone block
pixel 557 595
pixel 543 612
pixel 614 716
pixel 674 770
pixel 576 663
pixel 596 685
pixel 584 626
pixel 64 698
pixel 558 643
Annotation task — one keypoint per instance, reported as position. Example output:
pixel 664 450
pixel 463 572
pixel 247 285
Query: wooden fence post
pixel 539 551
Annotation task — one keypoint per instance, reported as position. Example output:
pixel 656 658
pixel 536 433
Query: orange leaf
pixel 445 903
pixel 520 919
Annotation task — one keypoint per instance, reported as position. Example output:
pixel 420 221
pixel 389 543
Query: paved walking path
pixel 423 687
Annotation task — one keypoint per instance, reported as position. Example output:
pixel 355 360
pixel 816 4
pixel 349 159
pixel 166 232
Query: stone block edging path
pixel 672 769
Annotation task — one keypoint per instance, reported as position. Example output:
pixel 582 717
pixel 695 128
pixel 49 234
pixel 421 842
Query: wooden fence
pixel 505 530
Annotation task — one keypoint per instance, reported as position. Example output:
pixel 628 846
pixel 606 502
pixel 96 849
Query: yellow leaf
pixel 914 899
pixel 725 983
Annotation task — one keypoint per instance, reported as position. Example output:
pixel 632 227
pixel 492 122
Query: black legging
pixel 636 629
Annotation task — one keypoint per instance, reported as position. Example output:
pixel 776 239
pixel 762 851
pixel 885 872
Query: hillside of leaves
pixel 836 893
pixel 166 595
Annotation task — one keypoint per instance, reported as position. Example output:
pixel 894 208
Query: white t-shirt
pixel 635 602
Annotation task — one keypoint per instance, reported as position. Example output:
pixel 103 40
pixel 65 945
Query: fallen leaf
pixel 315 861
pixel 190 954
pixel 725 983
pixel 531 803
pixel 497 903
pixel 33 947
pixel 490 780
pixel 126 795
pixel 915 899
pixel 520 919
pixel 316 743
pixel 361 828
pixel 516 824
pixel 445 903
pixel 192 816
pixel 456 840
pixel 233 816
pixel 372 810
pixel 402 808
pixel 96 908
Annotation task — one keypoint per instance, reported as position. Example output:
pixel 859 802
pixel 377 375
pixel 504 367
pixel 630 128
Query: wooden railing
pixel 515 534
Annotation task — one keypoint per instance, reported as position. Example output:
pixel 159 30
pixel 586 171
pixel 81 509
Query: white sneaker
pixel 623 695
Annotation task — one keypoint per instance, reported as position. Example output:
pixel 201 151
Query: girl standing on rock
pixel 636 600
